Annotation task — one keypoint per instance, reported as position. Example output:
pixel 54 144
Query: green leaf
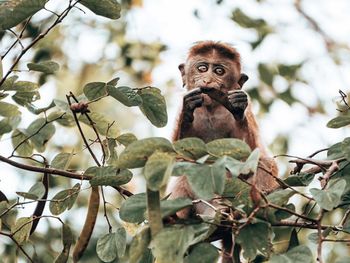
pixel 103 125
pixel 294 240
pixel 35 192
pixel 107 8
pixel 35 110
pixel 238 193
pixel 126 138
pixel 170 207
pixel 259 244
pixel 234 148
pixel 171 243
pixel 180 168
pixel 139 245
pixel 339 122
pixel 5 127
pixel 158 169
pixel 113 155
pixel 63 118
pixel 64 199
pixel 113 82
pixel 61 161
pixel 299 254
pixel 120 238
pixel 21 229
pixel 346 225
pixel 301 179
pixel 205 180
pixel 345 146
pixel 42 132
pixel 9 82
pixel 280 214
pixel 101 171
pixel 193 148
pixel 154 106
pixel 280 197
pixel 203 253
pixel 14 12
pixel 133 209
pixel 26 98
pixel 136 154
pixel 8 124
pixel 24 86
pixel 289 71
pixel 8 110
pixel 19 139
pixel 62 105
pixel 266 74
pixel 106 247
pixel 235 167
pixel 123 177
pixel 95 90
pixel 125 95
pixel 67 240
pixel 329 198
pixel 47 67
pixel 245 21
pixel 335 151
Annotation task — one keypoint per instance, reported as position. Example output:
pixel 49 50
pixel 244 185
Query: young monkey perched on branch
pixel 216 107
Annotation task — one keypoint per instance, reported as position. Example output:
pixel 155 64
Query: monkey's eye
pixel 219 71
pixel 202 68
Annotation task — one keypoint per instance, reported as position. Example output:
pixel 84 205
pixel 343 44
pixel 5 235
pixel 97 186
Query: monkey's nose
pixel 207 81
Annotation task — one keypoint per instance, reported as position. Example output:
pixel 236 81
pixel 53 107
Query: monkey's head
pixel 212 65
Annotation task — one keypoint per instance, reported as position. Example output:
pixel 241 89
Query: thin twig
pixel 197 201
pixel 35 133
pixel 320 237
pixel 18 38
pixel 18 245
pixel 67 174
pixel 95 130
pixel 82 133
pixel 292 212
pixel 105 211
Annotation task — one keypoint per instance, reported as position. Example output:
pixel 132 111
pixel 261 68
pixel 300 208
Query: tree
pixel 112 157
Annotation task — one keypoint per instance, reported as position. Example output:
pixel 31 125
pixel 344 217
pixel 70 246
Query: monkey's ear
pixel 242 79
pixel 183 73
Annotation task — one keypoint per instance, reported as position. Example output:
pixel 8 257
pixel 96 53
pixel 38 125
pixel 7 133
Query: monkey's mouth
pixel 214 93
pixel 218 96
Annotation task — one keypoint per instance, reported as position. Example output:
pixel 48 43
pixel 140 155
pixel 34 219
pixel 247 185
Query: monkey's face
pixel 210 71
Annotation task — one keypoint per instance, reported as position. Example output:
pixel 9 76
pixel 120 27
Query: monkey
pixel 216 107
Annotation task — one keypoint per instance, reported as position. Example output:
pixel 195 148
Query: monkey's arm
pixel 191 101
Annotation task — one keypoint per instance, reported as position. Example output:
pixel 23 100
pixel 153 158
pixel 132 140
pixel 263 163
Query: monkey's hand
pixel 192 100
pixel 239 101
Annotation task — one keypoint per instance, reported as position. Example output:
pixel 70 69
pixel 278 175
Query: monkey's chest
pixel 209 127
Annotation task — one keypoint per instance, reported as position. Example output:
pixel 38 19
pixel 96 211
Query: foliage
pixel 143 226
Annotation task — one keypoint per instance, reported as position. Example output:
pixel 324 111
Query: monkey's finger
pixel 238 98
pixel 234 99
pixel 193 92
pixel 193 97
pixel 237 92
pixel 194 104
